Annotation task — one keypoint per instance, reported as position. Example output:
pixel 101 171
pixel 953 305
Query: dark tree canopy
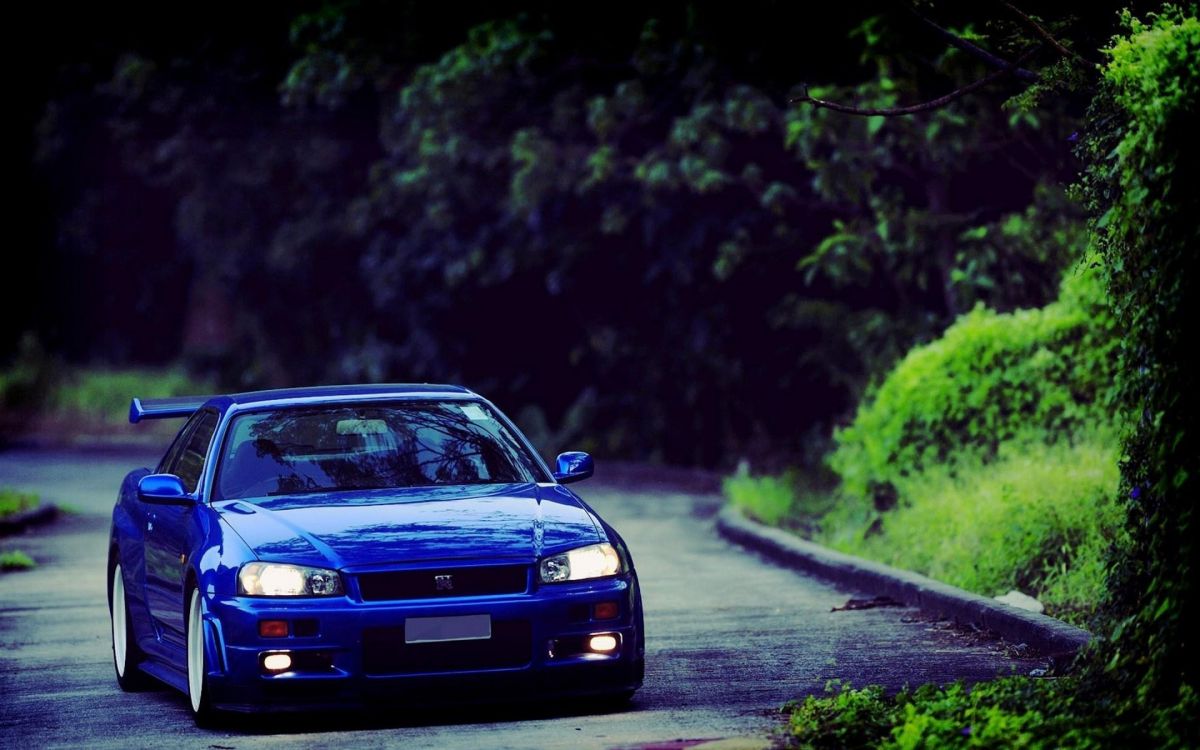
pixel 614 219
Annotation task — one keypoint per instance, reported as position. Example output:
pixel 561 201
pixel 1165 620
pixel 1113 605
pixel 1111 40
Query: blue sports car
pixel 344 545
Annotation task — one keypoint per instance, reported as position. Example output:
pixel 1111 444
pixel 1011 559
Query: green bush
pixel 35 383
pixel 988 458
pixel 13 502
pixel 844 718
pixel 31 375
pixel 792 500
pixel 767 499
pixel 104 394
pixel 1013 712
pixel 1042 373
pixel 15 559
pixel 1037 519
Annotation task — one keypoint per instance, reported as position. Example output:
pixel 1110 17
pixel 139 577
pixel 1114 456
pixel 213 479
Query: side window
pixel 168 459
pixel 189 463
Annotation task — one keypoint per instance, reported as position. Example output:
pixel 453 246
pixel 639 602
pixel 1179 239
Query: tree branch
pixel 1046 35
pixel 975 50
pixel 913 109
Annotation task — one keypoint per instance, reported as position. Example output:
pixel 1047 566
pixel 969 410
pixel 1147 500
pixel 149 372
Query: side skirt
pixel 163 673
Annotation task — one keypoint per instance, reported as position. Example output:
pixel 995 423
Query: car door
pixel 134 555
pixel 169 530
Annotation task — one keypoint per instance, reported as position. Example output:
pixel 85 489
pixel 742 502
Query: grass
pixel 1013 712
pixel 42 399
pixel 791 500
pixel 104 394
pixel 15 559
pixel 13 502
pixel 1038 519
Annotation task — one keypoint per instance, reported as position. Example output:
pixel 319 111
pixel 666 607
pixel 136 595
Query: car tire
pixel 126 654
pixel 199 695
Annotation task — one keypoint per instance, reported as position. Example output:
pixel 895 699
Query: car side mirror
pixel 163 489
pixel 573 466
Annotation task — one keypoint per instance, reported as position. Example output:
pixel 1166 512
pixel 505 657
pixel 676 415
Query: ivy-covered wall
pixel 1141 189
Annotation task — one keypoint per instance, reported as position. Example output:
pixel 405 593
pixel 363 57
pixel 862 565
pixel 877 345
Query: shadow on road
pixel 388 716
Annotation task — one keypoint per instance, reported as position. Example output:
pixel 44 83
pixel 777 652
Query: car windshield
pixel 369 446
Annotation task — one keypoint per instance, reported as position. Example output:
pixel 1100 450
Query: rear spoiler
pixel 164 408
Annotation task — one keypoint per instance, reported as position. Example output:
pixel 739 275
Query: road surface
pixel 730 637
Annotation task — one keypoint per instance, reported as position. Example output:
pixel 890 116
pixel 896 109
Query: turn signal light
pixel 273 628
pixel 606 610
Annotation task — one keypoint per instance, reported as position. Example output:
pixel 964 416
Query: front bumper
pixel 352 653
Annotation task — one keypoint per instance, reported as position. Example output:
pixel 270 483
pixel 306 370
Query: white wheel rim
pixel 195 652
pixel 118 621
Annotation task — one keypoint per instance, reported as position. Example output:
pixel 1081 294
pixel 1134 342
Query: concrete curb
pixel 1052 637
pixel 44 513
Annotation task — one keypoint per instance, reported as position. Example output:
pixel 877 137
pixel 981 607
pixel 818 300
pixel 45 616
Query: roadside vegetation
pixel 986 459
pixel 103 394
pixel 13 502
pixel 40 395
pixel 1011 712
pixel 15 559
pixel 1002 455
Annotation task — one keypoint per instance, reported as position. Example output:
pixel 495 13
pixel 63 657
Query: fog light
pixel 273 628
pixel 606 610
pixel 603 643
pixel 277 662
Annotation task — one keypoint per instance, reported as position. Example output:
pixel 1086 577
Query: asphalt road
pixel 730 637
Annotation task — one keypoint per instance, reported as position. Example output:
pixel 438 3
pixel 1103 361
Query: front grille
pixel 385 652
pixel 434 582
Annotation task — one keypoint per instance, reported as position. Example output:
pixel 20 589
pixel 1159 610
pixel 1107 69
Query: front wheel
pixel 197 667
pixel 126 654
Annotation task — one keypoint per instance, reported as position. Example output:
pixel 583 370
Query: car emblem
pixel 444 583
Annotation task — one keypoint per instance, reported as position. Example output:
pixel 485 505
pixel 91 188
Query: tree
pixel 614 225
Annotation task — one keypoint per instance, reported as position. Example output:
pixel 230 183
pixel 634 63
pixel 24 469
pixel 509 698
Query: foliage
pixel 1040 374
pixel 999 441
pixel 13 502
pixel 30 377
pixel 618 204
pixel 846 718
pixel 1012 712
pixel 15 559
pixel 915 212
pixel 1142 151
pixel 1037 519
pixel 104 394
pixel 46 388
pixel 1138 685
pixel 608 222
pixel 791 500
pixel 767 499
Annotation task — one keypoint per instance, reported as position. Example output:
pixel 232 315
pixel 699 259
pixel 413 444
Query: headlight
pixel 595 561
pixel 276 579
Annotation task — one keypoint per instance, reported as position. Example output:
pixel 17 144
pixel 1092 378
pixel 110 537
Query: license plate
pixel 436 629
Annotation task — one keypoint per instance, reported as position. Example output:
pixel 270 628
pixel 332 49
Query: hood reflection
pixel 515 521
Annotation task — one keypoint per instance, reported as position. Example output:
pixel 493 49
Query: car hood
pixel 364 529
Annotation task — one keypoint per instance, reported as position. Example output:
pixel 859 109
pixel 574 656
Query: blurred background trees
pixel 611 223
